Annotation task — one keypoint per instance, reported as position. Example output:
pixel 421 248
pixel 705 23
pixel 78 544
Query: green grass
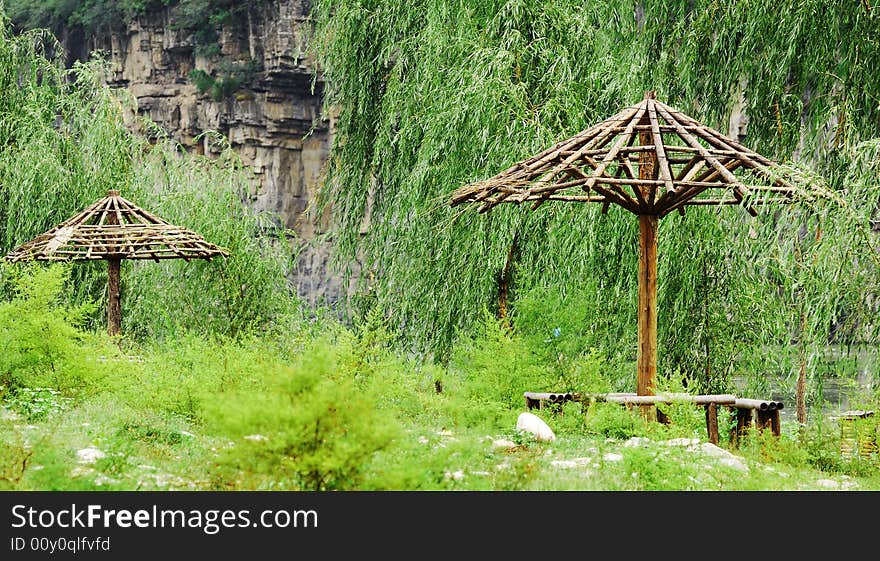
pixel 321 406
pixel 149 450
pixel 336 408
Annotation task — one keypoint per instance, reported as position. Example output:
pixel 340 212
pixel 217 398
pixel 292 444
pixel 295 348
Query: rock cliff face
pixel 273 120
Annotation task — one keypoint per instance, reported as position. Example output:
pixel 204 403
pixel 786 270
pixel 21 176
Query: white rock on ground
pixel 8 415
pixel 503 444
pixel 80 471
pixel 612 457
pixel 572 463
pixel 723 456
pixel 681 442
pixel 734 463
pixel 534 425
pixel 89 455
pixel 456 475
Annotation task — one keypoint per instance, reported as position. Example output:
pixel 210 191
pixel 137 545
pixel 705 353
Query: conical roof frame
pixel 649 159
pixel 116 228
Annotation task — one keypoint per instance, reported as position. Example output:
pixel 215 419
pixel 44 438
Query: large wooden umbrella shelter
pixel 114 229
pixel 651 160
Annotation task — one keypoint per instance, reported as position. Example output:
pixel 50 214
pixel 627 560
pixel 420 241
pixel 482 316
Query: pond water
pixel 827 395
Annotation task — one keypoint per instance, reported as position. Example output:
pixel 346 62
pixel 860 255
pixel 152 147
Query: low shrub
pixel 41 344
pixel 303 426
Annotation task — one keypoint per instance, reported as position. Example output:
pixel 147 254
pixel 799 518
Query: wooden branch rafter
pixel 115 228
pixel 692 159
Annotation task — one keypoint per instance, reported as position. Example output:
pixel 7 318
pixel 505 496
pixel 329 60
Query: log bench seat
pixel 764 412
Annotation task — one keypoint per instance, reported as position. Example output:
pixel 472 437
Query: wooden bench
pixel 766 411
pixel 766 415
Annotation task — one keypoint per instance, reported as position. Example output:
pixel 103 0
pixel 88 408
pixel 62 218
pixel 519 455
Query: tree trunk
pixel 801 391
pixel 504 278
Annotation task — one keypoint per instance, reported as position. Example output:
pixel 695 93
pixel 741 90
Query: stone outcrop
pixel 273 120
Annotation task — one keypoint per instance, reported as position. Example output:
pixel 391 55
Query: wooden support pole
pixel 663 418
pixel 731 434
pixel 775 423
pixel 712 422
pixel 114 306
pixel 743 422
pixel 647 351
pixel 114 266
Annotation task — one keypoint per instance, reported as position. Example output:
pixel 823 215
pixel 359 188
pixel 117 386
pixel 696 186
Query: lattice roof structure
pixel 649 158
pixel 116 228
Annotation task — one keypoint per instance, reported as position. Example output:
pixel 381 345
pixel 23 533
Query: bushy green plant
pixel 495 367
pixel 37 403
pixel 570 419
pixel 614 421
pixel 41 343
pixel 305 426
pixel 176 377
pixel 565 326
pixel 227 78
pixel 15 458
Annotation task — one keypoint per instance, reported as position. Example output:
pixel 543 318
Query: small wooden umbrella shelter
pixel 650 159
pixel 114 229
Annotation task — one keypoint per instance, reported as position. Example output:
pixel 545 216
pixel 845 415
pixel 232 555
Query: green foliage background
pixel 64 142
pixel 434 94
pixel 221 383
pixel 68 18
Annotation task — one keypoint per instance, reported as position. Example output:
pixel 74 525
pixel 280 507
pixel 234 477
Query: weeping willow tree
pixel 431 95
pixel 66 139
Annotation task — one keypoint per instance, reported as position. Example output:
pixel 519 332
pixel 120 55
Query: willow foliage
pixel 433 94
pixel 66 139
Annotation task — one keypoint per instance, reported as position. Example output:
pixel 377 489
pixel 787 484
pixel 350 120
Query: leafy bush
pixel 225 80
pixel 41 343
pixel 614 421
pixel 494 367
pixel 304 426
pixel 15 457
pixel 569 331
